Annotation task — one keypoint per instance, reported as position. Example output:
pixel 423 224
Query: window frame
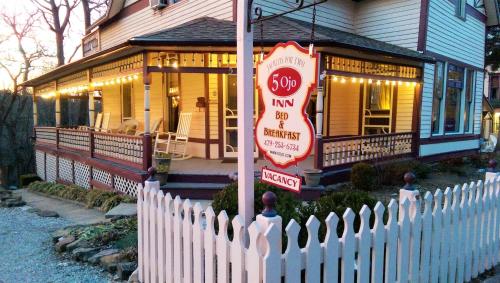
pixel 441 99
pixel 454 84
pixel 122 96
pixel 460 9
pixel 470 86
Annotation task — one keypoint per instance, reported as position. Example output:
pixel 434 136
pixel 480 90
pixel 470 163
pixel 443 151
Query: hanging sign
pixel 285 79
pixel 282 180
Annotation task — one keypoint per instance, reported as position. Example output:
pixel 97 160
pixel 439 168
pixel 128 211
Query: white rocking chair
pixel 97 123
pixel 175 143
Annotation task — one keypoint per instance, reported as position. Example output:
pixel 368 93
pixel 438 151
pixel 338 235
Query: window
pixel 453 98
pixel 437 96
pixel 469 100
pixel 173 98
pixel 460 8
pixel 127 101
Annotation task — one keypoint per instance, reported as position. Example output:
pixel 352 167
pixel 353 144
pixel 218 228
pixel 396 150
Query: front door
pixel 231 115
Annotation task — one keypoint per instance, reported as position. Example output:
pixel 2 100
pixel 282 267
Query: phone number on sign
pixel 282 145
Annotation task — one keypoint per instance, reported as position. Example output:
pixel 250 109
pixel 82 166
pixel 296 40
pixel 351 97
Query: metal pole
pixel 245 96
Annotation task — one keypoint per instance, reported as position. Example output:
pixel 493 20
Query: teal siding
pixel 426 110
pixel 438 148
pixel 453 37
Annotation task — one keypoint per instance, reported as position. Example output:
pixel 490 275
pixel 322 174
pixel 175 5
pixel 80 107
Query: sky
pixel 42 33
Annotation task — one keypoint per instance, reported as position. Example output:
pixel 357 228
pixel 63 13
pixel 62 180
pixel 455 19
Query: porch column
pixel 147 148
pixel 91 108
pixel 58 109
pixel 35 112
pixel 245 94
pixel 318 144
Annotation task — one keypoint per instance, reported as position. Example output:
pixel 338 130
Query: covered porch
pixel 365 110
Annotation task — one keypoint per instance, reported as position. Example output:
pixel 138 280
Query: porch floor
pixel 199 166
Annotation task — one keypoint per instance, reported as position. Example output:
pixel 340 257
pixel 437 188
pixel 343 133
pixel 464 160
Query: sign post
pixel 245 95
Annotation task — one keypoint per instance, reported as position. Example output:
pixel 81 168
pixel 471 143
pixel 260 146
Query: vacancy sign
pixel 285 79
pixel 281 180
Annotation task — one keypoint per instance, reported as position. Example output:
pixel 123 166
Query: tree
pixel 56 14
pixel 493 47
pixel 90 7
pixel 22 31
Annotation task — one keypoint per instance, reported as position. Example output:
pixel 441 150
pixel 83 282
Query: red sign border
pixel 280 186
pixel 304 114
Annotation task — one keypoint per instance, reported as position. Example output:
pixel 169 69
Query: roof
pixel 211 31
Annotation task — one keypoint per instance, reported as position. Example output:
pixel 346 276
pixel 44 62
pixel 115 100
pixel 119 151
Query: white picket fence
pixel 453 238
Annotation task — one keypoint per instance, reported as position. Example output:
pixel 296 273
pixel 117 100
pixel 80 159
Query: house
pixel 404 79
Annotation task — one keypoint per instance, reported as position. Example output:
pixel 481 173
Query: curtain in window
pixel 380 97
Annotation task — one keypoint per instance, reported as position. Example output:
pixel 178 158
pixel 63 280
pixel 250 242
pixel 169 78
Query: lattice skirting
pixel 40 164
pixel 66 169
pixel 82 175
pixel 51 167
pixel 102 177
pixel 126 186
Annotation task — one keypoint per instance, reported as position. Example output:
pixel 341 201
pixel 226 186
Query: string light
pixel 335 79
pixel 361 80
pixel 400 83
pixel 386 82
pixel 378 82
pixel 117 80
pixel 342 80
pixel 353 80
pixel 370 81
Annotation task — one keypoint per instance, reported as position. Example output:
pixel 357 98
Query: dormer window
pixel 460 8
pixel 158 4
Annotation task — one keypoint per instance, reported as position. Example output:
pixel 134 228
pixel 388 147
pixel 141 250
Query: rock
pixel 83 254
pixel 108 260
pixel 111 268
pixel 134 277
pixel 33 210
pixel 61 233
pixel 122 210
pixel 125 269
pixel 63 242
pixel 80 243
pixel 47 213
pixel 12 202
pixel 97 257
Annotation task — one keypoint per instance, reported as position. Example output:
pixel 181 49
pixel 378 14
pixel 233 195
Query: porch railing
pixel 119 148
pixel 346 150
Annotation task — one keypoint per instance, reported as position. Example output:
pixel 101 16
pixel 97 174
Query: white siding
pixel 438 148
pixel 338 14
pixel 478 107
pixel 392 21
pixel 147 20
pixel 426 110
pixel 453 37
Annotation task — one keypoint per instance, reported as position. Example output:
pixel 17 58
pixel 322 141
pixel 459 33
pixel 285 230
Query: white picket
pixel 391 248
pixel 454 239
pixel 147 240
pixel 238 251
pixel 272 258
pixel 496 200
pixel 348 241
pixel 404 241
pixel 471 226
pixel 153 249
pixel 253 258
pixel 425 253
pixel 436 236
pixel 178 261
pixel 484 263
pixel 415 240
pixel 378 240
pixel 210 250
pixel 462 234
pixel 140 232
pixel 292 253
pixel 363 238
pixel 222 245
pixel 160 230
pixel 476 253
pixel 312 251
pixel 187 242
pixel 445 237
pixel 169 238
pixel 198 251
pixel 331 249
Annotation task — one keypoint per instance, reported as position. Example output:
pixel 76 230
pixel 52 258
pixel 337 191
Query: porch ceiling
pixel 213 32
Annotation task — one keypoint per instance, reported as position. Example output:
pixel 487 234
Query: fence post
pixel 409 192
pixel 270 244
pixel 491 171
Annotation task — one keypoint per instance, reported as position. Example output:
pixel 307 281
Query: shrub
pixel 27 179
pixel 363 176
pixel 96 198
pixel 453 165
pixel 111 202
pixel 227 199
pixel 393 173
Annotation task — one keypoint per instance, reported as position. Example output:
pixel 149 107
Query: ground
pixel 27 253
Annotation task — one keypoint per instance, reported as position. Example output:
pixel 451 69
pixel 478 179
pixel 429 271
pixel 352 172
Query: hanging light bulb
pixel 342 80
pixel 370 81
pixel 414 84
pixel 386 82
pixel 361 80
pixel 378 82
pixel 393 82
pixel 136 77
pixel 353 80
pixel 335 79
pixel 400 83
pixel 407 83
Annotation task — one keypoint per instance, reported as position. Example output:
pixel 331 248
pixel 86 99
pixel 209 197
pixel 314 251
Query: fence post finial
pixel 151 174
pixel 269 200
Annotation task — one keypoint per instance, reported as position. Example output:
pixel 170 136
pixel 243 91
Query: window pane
pixel 437 96
pixel 469 98
pixel 380 97
pixel 452 121
pixel 127 100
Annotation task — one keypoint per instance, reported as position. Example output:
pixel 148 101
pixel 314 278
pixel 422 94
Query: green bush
pixel 25 180
pixel 227 199
pixel 393 173
pixel 111 202
pixel 96 198
pixel 363 176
